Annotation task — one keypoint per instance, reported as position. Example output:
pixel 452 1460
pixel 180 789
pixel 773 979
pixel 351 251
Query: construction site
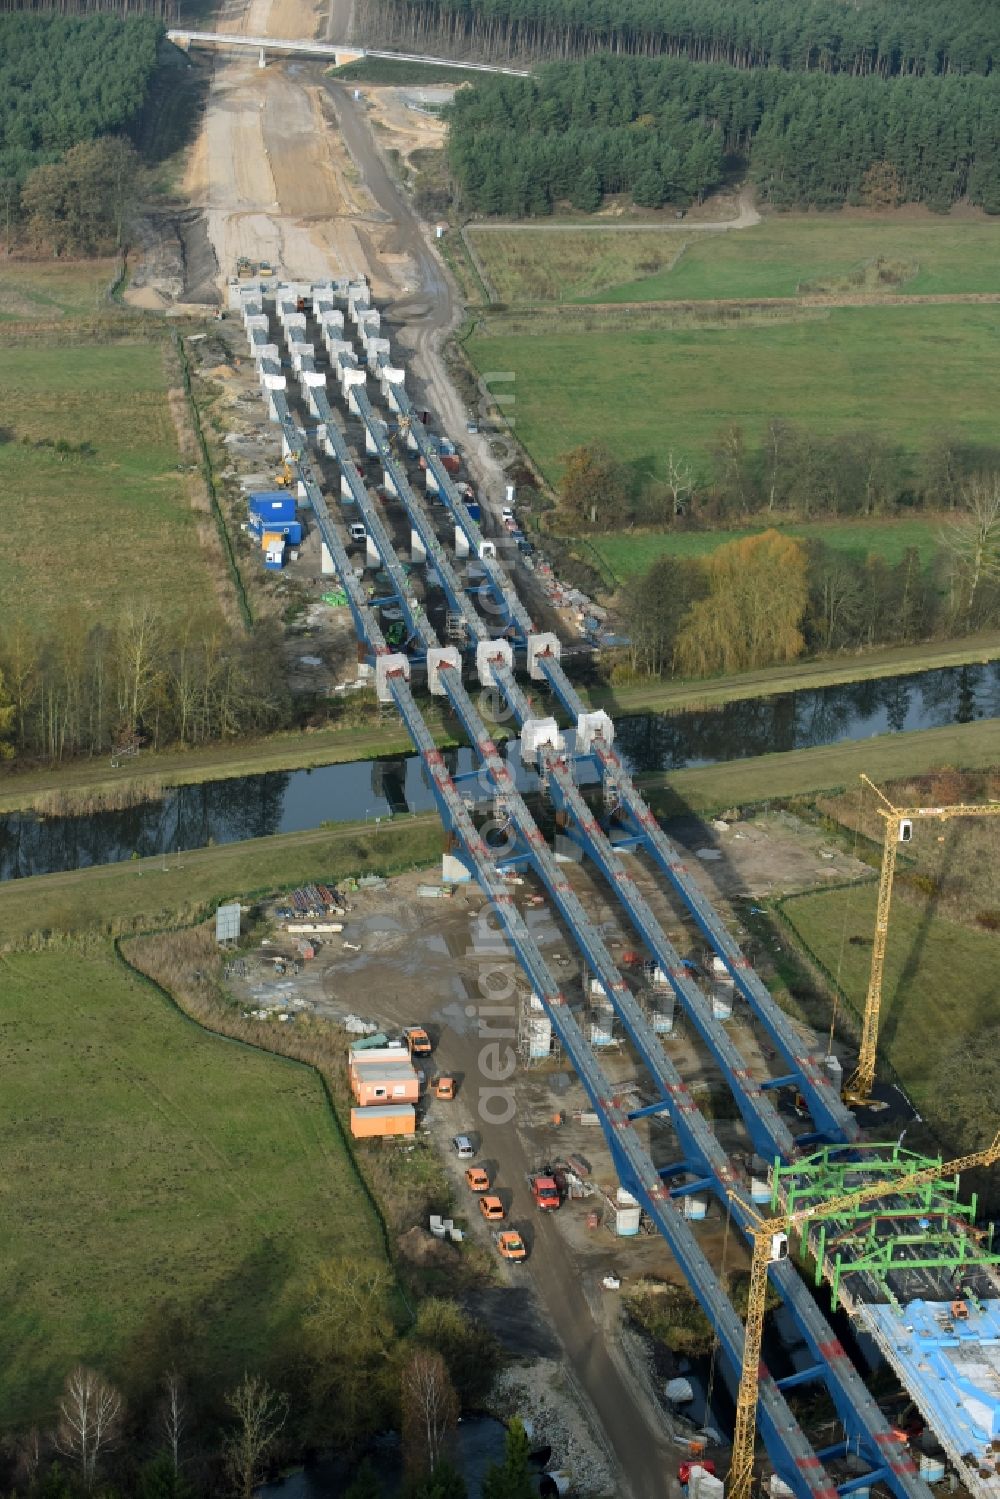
pixel 632 1061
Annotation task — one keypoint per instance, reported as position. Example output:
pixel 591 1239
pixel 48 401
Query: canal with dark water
pixel 257 806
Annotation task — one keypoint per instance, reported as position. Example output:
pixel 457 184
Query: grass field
pixel 782 257
pixel 147 1162
pixel 86 532
pixel 929 961
pixel 829 767
pixel 625 555
pixel 547 266
pixel 53 289
pixel 907 372
pixel 153 893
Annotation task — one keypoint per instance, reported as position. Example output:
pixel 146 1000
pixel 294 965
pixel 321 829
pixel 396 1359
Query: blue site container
pixel 273 506
pixel 473 508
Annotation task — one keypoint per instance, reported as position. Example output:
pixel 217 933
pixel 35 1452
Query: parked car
pixel 477 1179
pixel 463 1146
pixel 492 1209
pixel 510 1245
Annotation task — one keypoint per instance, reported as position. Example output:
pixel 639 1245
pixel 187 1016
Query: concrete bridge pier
pixel 262 60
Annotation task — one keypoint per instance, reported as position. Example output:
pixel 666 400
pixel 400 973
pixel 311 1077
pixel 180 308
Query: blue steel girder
pixel 504 594
pixel 832 1118
pixel 769 1134
pixel 792 1457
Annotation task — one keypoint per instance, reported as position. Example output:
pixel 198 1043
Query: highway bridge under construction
pixel 913 1269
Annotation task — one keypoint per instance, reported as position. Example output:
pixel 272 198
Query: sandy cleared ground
pixel 271 172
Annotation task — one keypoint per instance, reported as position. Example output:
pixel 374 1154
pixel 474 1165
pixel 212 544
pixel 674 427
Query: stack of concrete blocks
pixel 359 299
pixel 350 377
pixel 368 322
pixel 539 1030
pixel 723 989
pixel 661 1008
pixel 601 1026
pixel 266 355
pixel 392 381
pixel 376 349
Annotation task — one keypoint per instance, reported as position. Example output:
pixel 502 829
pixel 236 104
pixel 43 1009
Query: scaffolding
pixel 926 1229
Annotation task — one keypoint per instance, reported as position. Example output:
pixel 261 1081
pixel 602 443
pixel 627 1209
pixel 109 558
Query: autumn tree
pixel 90 1414
pixel 429 1408
pixel 753 611
pixel 259 1414
pixel 81 204
pixel 593 490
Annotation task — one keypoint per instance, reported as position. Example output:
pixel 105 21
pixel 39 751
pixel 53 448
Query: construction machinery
pixel 245 268
pixel 285 477
pixel 770 1244
pixel 898 829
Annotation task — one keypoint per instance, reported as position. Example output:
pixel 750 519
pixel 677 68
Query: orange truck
pixel 544 1191
pixel 417 1040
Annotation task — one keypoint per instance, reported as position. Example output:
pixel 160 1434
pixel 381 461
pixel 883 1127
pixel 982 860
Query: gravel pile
pixel 539 1394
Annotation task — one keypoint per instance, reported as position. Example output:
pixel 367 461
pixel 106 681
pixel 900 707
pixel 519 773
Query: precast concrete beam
pixel 386 667
pixel 542 645
pixel 538 734
pixel 439 656
pixel 489 651
pixel 590 726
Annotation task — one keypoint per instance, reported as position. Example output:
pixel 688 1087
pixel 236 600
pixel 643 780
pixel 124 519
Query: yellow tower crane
pixel 898 829
pixel 770 1243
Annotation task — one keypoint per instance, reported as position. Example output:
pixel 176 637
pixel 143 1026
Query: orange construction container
pixel 382 1083
pixel 383 1119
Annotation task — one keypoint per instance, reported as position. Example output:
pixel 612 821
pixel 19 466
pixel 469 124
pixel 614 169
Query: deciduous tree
pixel 260 1414
pixel 973 539
pixel 429 1408
pixel 90 1413
pixel 753 612
pixel 593 489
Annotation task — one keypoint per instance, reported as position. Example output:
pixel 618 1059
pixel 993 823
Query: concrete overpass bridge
pixel 337 52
